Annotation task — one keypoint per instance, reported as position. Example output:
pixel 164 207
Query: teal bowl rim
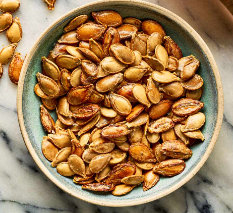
pixel 209 149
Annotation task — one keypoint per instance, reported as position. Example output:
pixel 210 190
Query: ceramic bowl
pixel 190 43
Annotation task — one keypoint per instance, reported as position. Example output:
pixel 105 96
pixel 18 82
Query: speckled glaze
pixel 190 43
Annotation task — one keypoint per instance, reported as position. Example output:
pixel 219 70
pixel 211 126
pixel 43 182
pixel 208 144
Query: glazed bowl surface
pixel 189 41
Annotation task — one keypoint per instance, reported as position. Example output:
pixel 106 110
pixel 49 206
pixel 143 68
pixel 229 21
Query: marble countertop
pixel 23 188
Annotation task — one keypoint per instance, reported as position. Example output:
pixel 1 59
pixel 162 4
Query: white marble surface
pixel 23 188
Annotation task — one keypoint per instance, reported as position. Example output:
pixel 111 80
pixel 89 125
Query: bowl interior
pixel 188 44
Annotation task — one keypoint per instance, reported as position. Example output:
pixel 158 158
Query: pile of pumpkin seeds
pixel 127 103
pixel 14 34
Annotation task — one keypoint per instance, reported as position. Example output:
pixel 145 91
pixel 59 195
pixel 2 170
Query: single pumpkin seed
pixel 61 156
pixel 138 44
pixel 60 140
pixel 103 121
pixel 139 93
pixel 109 113
pixel 134 21
pixel 15 67
pixel 196 82
pixel 194 94
pixel 120 104
pixel 6 53
pixel 152 137
pixel 89 54
pixel 96 48
pixel 151 26
pixel 135 112
pixel 145 166
pixel 69 38
pixel 103 174
pixel 134 74
pixel 186 106
pixel 142 153
pixel 90 30
pixel 102 146
pixel 161 54
pixel 154 63
pixel 127 92
pixel 77 165
pixel 161 125
pixel 50 104
pixel 88 155
pixel 14 32
pixel 126 31
pixel 46 120
pixel 50 69
pixel 140 120
pixel 76 22
pixel 194 122
pixel 84 139
pixel 63 107
pixel 39 92
pixel 109 82
pixel 111 65
pixel 152 91
pixel 9 5
pixel 48 149
pixel 123 146
pixel 138 58
pixel 65 79
pixel 133 180
pixel 59 49
pixel 153 40
pixel 169 168
pixel 172 64
pixel 96 97
pixel 164 77
pixel 74 51
pixel 157 150
pixel 64 169
pixel 168 135
pixel 117 156
pixel 150 180
pixel 173 90
pixel 195 134
pixel 115 131
pixel 99 162
pixel 180 134
pixel 69 121
pixel 136 135
pixel 172 48
pixel 5 21
pixel 67 61
pixel 122 189
pixel 89 68
pixel 96 133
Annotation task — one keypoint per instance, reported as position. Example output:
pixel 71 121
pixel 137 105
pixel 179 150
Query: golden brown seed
pixel 85 111
pixel 194 122
pixel 5 21
pixel 152 91
pixel 96 48
pixel 154 63
pixel 77 165
pixel 103 122
pixel 75 77
pixel 61 156
pixel 133 180
pixel 117 156
pixel 176 149
pixel 39 92
pixel 135 112
pixel 133 21
pixel 74 51
pixel 96 97
pixel 109 113
pixel 120 104
pixel 69 121
pixel 138 44
pixel 172 63
pixel 83 180
pixel 164 77
pixel 50 69
pixel 127 92
pixel 160 109
pixel 111 65
pixel 6 53
pixel 173 90
pixel 14 32
pixel 48 149
pixel 50 104
pixel 126 31
pixel 69 38
pixel 168 135
pixel 48 85
pixel 89 68
pixel 103 174
pixel 98 187
pixel 145 166
pixel 196 82
pixel 122 53
pixel 67 61
pixel 142 153
pixel 180 134
pixel 9 5
pixel 139 93
pixel 161 54
pixel 188 66
pixel 65 79
pixel 89 54
pixel 107 17
pixel 50 4
pixel 120 171
pixel 99 162
pixel 64 169
pixel 136 135
pixel 88 155
pixel 150 180
pixel 90 30
pixel 102 146
pixel 194 94
pixel 153 40
pixel 138 121
pixel 76 22
pixel 122 189
pixel 157 150
pixel 109 82
pixel 15 68
pixel 79 95
pixel 84 139
pixel 59 49
pixel 46 120
pixel 115 131
pixel 123 146
pixel 186 106
pixel 138 58
pixel 151 26
pixel 172 48
pixel 134 74
pixel 63 107
pixel 60 140
pixel 170 167
pixel 161 125
pixel 195 135
pixel 152 137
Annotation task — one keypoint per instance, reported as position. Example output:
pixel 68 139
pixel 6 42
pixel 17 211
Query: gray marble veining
pixel 23 188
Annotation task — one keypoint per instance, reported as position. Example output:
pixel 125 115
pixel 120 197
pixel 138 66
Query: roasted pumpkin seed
pixel 6 53
pixel 134 74
pixel 194 122
pixel 122 189
pixel 67 61
pixel 172 64
pixel 152 91
pixel 164 77
pixel 172 48
pixel 145 166
pixel 138 44
pixel 99 162
pixel 151 26
pixel 9 5
pixel 111 65
pixel 60 140
pixel 161 54
pixel 14 32
pixel 46 120
pixel 196 82
pixel 126 31
pixel 152 137
pixel 103 174
pixel 195 134
pixel 64 169
pixel 77 165
pixel 5 21
pixel 15 67
pixel 138 121
pixel 194 94
pixel 61 156
pixel 136 135
pixel 133 180
pixel 154 63
pixel 150 180
pixel 115 131
pixel 117 156
pixel 76 22
pixel 173 90
pixel 69 38
pixel 161 125
pixel 153 40
pixel 139 93
pixel 48 149
pixel 127 92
